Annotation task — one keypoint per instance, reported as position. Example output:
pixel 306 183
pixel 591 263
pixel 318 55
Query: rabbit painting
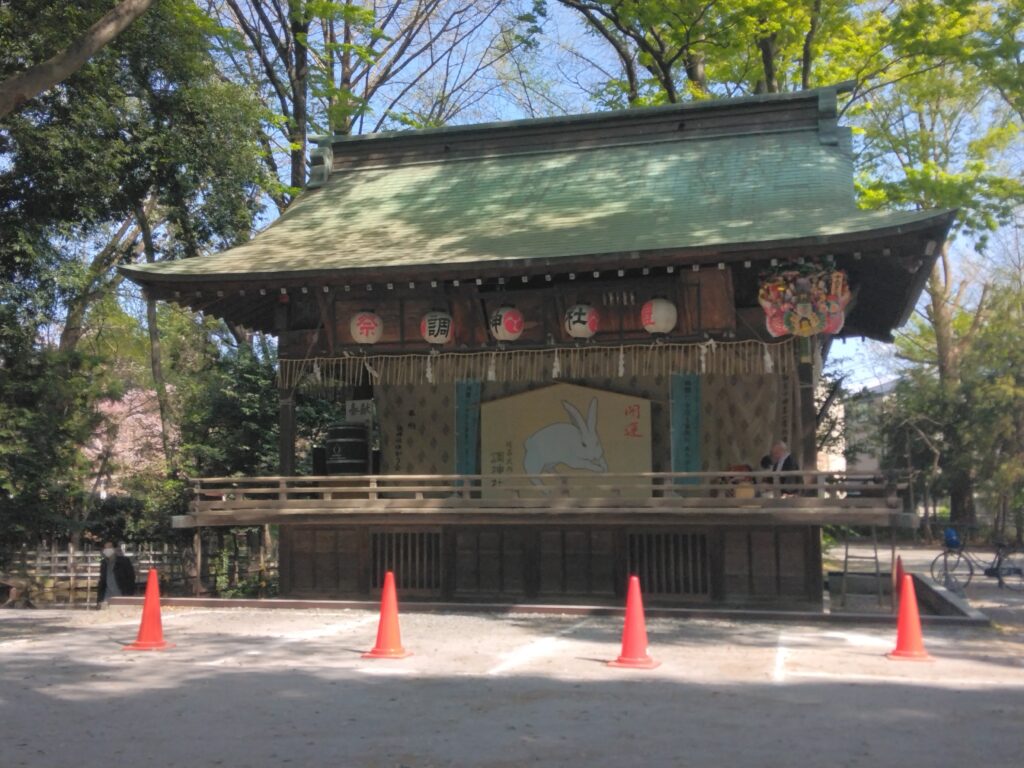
pixel 576 444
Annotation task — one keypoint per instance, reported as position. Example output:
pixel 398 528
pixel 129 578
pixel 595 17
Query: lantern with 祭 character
pixel 436 327
pixel 506 323
pixel 658 315
pixel 582 321
pixel 804 300
pixel 366 327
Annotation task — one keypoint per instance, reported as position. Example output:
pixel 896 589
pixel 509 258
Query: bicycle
pixel 954 566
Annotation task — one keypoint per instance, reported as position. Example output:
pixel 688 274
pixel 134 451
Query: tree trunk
pixel 299 81
pixel 807 59
pixel 104 260
pixel 768 53
pixel 156 362
pixel 19 88
pixel 942 306
pixel 695 71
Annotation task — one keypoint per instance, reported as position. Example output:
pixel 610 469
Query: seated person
pixel 780 459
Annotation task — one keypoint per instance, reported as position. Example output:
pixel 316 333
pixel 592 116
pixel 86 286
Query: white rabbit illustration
pixel 576 445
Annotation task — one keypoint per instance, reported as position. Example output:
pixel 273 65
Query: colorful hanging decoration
pixel 582 321
pixel 436 327
pixel 658 315
pixel 366 327
pixel 804 299
pixel 507 323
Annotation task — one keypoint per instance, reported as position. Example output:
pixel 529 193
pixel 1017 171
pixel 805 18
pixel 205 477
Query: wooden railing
pixel 359 495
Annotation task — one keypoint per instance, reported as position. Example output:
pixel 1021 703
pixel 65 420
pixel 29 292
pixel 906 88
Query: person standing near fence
pixel 117 575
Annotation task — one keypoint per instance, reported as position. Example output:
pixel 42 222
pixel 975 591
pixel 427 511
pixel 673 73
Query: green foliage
pixel 993 395
pixel 229 417
pixel 46 415
pixel 149 118
pixel 973 426
pixel 936 141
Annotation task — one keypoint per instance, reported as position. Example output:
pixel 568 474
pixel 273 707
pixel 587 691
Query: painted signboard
pixel 577 432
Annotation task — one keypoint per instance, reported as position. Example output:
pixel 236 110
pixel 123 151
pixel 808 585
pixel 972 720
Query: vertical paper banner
pixel 467 427
pixel 685 405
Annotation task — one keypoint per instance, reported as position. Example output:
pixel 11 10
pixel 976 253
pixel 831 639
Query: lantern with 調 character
pixel 436 327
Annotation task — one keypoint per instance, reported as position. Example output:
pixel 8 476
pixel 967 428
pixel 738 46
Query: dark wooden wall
pixel 738 566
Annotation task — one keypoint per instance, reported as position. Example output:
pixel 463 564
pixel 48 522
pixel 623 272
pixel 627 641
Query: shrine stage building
pixel 563 346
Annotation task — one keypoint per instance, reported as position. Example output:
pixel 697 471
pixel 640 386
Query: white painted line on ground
pixel 291 637
pixel 384 671
pixel 330 629
pixel 861 640
pixel 781 652
pixel 953 683
pixel 525 654
pixel 534 650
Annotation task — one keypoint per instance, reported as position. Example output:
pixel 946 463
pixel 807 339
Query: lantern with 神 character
pixel 436 327
pixel 804 300
pixel 658 316
pixel 366 327
pixel 506 323
pixel 582 321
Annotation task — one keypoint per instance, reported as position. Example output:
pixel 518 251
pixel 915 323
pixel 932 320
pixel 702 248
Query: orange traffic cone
pixel 634 634
pixel 909 644
pixel 151 631
pixel 389 640
pixel 897 586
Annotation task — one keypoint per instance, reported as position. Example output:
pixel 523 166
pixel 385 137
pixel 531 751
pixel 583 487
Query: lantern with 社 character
pixel 582 321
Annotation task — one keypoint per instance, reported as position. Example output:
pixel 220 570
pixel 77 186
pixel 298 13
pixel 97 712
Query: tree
pixel 676 50
pixel 342 68
pixel 146 152
pixel 993 393
pixel 938 140
pixel 20 88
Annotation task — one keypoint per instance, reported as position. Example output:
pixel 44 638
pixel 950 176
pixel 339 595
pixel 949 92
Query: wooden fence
pixel 68 574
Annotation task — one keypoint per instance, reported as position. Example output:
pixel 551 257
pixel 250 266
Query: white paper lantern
pixel 658 316
pixel 366 327
pixel 507 323
pixel 581 321
pixel 437 327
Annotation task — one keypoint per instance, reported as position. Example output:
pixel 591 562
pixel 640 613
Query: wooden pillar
pixel 197 549
pixel 286 398
pixel 806 447
pixel 286 432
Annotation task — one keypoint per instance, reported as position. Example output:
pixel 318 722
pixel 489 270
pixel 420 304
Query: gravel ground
pixel 261 688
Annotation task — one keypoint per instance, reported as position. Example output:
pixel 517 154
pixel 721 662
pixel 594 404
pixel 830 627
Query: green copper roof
pixel 552 203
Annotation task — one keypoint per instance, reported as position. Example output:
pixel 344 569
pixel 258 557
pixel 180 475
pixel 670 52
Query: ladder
pixel 872 558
